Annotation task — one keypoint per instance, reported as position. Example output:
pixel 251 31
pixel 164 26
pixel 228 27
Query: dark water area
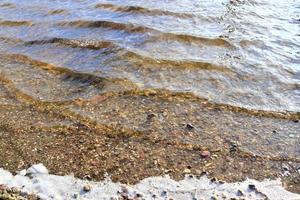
pixel 241 53
pixel 140 88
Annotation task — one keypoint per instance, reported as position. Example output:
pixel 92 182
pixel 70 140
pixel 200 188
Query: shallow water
pixel 242 53
pixel 136 89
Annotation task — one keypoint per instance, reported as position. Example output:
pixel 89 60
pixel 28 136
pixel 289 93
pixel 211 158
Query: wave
pixel 106 24
pixel 15 23
pixel 132 55
pixel 7 5
pixel 57 12
pixel 75 43
pixel 65 74
pixel 158 34
pixel 141 10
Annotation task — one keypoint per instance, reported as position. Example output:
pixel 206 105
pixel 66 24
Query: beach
pixel 149 96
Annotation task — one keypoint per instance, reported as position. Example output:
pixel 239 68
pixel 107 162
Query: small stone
pixel 285 167
pixel 187 171
pixel 87 177
pixel 164 193
pixel 189 127
pixel 251 187
pixel 213 180
pixel 203 173
pixel 233 147
pixel 296 121
pixel 240 193
pixel 168 171
pixel 213 198
pixel 205 154
pixel 87 188
pixel 151 116
pixel 75 196
pixel 138 195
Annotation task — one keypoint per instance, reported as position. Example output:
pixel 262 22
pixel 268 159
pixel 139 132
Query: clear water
pixel 242 53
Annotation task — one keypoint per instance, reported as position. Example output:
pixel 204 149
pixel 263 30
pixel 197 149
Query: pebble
pixel 285 167
pixel 213 198
pixel 213 180
pixel 187 171
pixel 87 188
pixel 138 195
pixel 189 127
pixel 251 187
pixel 164 193
pixel 233 147
pixel 151 115
pixel 205 154
pixel 240 193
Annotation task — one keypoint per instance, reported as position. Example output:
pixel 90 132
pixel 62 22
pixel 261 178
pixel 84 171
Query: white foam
pixel 48 186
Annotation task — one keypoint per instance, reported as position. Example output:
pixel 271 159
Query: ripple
pixel 15 23
pixel 57 12
pixel 90 44
pixel 141 10
pixel 235 52
pixel 106 24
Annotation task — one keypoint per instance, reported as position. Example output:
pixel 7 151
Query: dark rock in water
pixel 213 180
pixel 233 147
pixel 87 177
pixel 213 198
pixel 251 187
pixel 285 167
pixel 164 193
pixel 240 193
pixel 138 195
pixel 189 127
pixel 296 121
pixel 151 116
pixel 203 173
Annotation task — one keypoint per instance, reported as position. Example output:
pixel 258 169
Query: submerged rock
pixel 205 154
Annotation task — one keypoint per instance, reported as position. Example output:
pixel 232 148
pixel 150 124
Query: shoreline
pixel 37 182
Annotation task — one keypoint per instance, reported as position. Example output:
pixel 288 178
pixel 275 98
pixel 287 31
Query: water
pixel 140 88
pixel 241 53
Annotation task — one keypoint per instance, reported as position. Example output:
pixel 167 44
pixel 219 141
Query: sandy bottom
pixel 36 180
